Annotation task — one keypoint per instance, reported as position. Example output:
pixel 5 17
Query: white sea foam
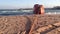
pixel 29 12
pixel 52 13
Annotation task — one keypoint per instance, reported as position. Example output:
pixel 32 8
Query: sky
pixel 14 4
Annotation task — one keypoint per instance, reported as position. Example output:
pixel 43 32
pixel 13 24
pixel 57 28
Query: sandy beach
pixel 20 24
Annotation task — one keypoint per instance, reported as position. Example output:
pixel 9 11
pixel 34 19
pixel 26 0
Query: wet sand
pixel 20 24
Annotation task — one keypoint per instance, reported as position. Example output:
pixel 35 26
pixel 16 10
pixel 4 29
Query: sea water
pixel 20 12
pixel 52 11
pixel 27 12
